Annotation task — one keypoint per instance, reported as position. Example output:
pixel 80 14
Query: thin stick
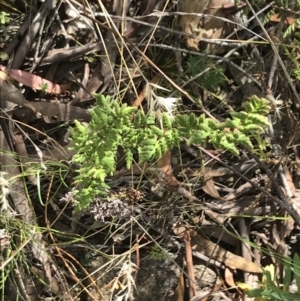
pixel 189 264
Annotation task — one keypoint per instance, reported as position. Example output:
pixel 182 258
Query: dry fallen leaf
pixel 231 260
pixel 164 164
pixel 229 277
pixel 210 188
pixel 208 28
pixel 190 24
pixel 34 81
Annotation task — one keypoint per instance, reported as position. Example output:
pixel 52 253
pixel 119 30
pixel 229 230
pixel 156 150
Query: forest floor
pixel 199 222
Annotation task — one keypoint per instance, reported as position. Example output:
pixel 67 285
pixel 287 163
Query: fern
pixel 210 79
pixel 113 126
pixel 226 135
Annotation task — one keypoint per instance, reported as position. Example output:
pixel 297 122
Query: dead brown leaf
pixel 229 277
pixel 190 24
pixel 210 188
pixel 56 112
pixel 35 82
pixel 207 28
pixel 164 164
pixel 231 260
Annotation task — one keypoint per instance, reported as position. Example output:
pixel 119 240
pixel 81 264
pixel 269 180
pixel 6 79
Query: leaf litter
pixel 66 51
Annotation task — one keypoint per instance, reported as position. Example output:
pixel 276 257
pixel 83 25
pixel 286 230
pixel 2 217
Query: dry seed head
pixel 158 104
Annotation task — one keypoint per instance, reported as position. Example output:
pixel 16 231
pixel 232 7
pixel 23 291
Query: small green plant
pixel 114 126
pixel 98 143
pixel 210 79
pixel 270 287
pixel 158 253
pixel 44 87
pixel 4 18
pixel 239 129
pixel 3 56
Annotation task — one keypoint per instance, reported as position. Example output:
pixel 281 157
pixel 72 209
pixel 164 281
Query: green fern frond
pixel 115 125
